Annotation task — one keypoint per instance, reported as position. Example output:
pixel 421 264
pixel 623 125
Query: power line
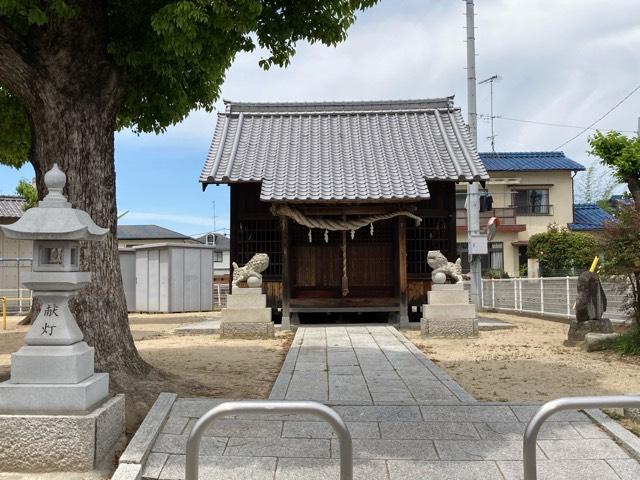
pixel 549 124
pixel 600 118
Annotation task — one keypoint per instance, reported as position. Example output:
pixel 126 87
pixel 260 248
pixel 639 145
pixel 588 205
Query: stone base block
pixel 578 330
pixel 594 342
pixel 52 397
pixel 446 312
pixel 52 364
pixel 246 315
pixel 447 286
pixel 448 297
pixel 450 327
pixel 247 301
pixel 53 443
pixel 246 291
pixel 247 330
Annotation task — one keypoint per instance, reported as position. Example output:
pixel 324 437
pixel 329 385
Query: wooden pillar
pixel 286 273
pixel 402 271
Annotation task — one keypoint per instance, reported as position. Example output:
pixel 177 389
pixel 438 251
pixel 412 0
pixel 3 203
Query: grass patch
pixel 629 342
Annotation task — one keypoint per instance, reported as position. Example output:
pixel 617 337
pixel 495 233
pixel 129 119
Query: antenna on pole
pixel 490 80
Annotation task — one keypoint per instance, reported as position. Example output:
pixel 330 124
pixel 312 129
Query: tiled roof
pixel 589 216
pixel 11 206
pixel 528 161
pixel 222 242
pixel 147 232
pixel 342 151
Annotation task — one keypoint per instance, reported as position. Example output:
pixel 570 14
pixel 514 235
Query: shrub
pixel 620 245
pixel 495 273
pixel 561 249
pixel 629 342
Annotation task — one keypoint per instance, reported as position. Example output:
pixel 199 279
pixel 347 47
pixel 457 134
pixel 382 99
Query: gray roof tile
pixel 148 232
pixel 11 206
pixel 342 151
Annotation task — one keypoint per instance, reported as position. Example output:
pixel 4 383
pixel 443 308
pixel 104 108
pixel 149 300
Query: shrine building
pixel 346 198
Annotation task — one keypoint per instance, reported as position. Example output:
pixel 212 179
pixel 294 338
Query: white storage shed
pixel 173 277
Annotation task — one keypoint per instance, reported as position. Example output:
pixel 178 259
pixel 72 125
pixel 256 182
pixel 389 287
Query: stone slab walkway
pixel 408 419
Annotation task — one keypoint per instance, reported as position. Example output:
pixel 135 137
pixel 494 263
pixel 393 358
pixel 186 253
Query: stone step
pixel 52 364
pixel 447 286
pixel 51 397
pixel 448 297
pixel 246 291
pixel 246 315
pixel 445 312
pixel 247 301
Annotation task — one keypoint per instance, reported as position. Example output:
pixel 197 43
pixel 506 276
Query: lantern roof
pixel 54 218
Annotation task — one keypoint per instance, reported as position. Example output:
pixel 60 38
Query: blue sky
pixel 561 61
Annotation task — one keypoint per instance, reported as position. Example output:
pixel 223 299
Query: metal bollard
pixel 558 405
pixel 266 407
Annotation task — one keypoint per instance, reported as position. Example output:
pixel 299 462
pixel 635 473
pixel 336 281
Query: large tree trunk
pixel 78 135
pixel 72 91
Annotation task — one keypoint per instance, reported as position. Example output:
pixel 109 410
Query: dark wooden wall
pixel 319 264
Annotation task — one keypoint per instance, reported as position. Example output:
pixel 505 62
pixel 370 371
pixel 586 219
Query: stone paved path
pixel 409 420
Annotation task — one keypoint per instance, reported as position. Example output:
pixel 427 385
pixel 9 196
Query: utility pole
pixel 214 221
pixel 490 81
pixel 473 198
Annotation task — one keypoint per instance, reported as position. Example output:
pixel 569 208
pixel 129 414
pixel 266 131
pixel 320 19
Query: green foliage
pixel 28 192
pixel 173 54
pixel 595 186
pixel 629 342
pixel 25 13
pixel 620 245
pixel 561 249
pixel 495 273
pixel 523 270
pixel 14 130
pixel 622 154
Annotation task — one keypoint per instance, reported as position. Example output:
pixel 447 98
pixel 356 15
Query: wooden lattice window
pixel 432 234
pixel 261 236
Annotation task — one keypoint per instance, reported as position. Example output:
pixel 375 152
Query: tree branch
pixel 15 71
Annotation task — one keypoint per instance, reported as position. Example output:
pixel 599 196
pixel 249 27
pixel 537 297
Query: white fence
pixel 220 292
pixel 554 296
pixel 18 300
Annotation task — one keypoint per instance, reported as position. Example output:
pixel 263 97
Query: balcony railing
pixel 507 216
pixel 533 210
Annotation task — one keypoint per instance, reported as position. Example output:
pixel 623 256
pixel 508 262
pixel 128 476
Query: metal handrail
pixel 266 407
pixel 560 404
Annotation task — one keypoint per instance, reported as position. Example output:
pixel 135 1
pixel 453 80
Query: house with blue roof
pixel 589 217
pixel 527 191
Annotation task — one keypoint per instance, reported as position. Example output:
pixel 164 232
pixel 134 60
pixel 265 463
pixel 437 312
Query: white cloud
pixel 560 61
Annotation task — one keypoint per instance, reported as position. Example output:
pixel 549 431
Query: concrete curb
pixel 128 471
pixel 140 445
pixel 279 389
pixel 620 435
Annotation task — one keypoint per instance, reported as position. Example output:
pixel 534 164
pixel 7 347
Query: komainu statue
pixel 439 264
pixel 253 268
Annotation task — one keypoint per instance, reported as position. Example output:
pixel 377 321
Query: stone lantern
pixel 54 372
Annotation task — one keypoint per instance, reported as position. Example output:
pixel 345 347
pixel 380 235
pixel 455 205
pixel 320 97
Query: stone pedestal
pixel 578 330
pixel 71 442
pixel 449 313
pixel 55 411
pixel 246 315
